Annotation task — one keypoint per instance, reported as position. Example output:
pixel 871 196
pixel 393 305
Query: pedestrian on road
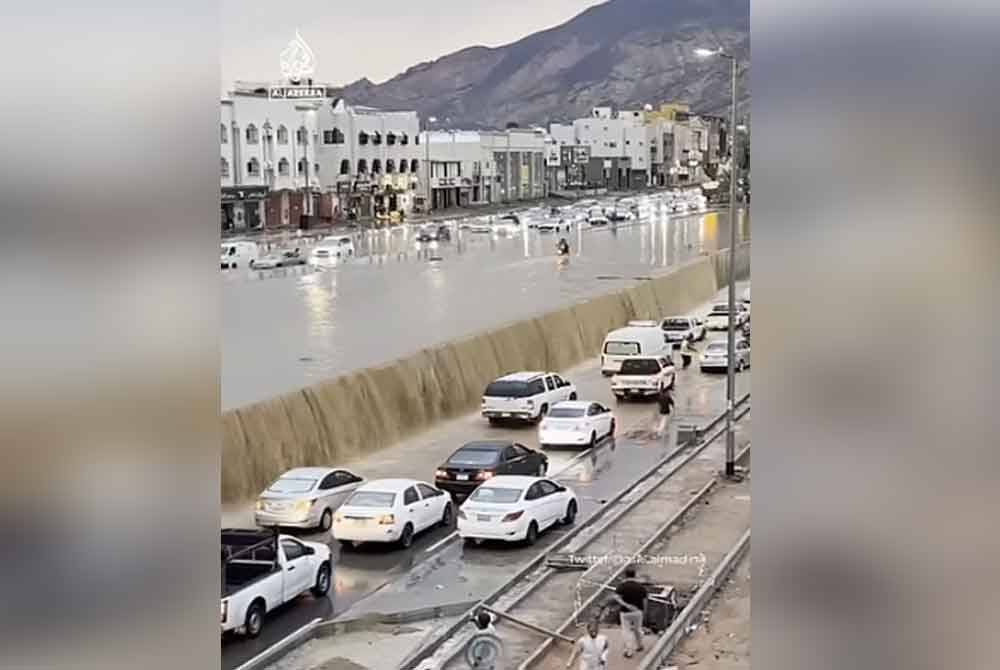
pixel 631 596
pixel 688 352
pixel 666 400
pixel 592 649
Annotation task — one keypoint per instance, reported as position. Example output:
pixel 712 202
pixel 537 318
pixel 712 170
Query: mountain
pixel 623 53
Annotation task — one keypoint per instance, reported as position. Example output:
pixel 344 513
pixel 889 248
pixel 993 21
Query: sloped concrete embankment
pixel 369 409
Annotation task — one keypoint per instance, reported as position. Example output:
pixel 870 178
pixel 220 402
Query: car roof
pixel 483 445
pixel 504 481
pixel 577 404
pixel 389 485
pixel 521 376
pixel 312 472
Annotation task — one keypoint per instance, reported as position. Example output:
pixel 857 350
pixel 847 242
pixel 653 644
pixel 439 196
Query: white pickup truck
pixel 262 570
pixel 643 376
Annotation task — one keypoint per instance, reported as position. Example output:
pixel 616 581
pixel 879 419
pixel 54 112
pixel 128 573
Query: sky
pixel 377 40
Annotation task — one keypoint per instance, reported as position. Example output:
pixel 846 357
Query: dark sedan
pixel 475 462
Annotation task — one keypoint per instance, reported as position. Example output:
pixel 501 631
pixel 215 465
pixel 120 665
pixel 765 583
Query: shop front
pixel 243 208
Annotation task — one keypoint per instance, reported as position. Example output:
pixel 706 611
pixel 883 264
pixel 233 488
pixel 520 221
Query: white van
pixel 239 254
pixel 639 338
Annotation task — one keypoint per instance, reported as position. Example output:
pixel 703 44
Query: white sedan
pixel 576 423
pixel 391 510
pixel 515 509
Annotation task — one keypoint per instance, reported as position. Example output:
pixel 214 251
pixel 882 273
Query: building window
pixel 225 168
pixel 376 137
pixel 315 168
pixel 223 133
pixel 413 165
pixel 416 140
pixel 390 139
pixel 362 138
pixel 376 166
pixel 282 164
pixel 302 136
pixel 333 136
pixel 282 135
pixel 252 137
pixel 390 166
pixel 402 165
pixel 302 166
pixel 404 139
pixel 362 166
pixel 345 166
pixel 253 167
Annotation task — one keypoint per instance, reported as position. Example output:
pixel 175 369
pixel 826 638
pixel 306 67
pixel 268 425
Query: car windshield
pixel 621 348
pixel 292 485
pixel 720 309
pixel 566 412
pixel 489 494
pixel 474 457
pixel 371 499
pixel 502 389
pixel 716 348
pixel 676 324
pixel 640 366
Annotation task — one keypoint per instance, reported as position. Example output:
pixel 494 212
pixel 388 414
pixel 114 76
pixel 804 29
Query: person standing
pixel 666 400
pixel 592 649
pixel 631 596
pixel 688 352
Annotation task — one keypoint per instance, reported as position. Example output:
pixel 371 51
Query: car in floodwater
pixel 476 462
pixel 576 423
pixel 439 233
pixel 516 509
pixel 525 396
pixel 334 247
pixel 305 498
pixel 284 259
pixel 676 329
pixel 391 511
pixel 643 377
pixel 716 355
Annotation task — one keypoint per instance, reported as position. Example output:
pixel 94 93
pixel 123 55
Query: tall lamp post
pixel 731 335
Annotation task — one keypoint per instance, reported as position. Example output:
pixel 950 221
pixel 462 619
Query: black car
pixel 475 462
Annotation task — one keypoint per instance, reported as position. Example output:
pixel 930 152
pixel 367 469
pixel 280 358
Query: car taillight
pixel 486 474
pixel 513 516
pixel 387 520
pixel 441 474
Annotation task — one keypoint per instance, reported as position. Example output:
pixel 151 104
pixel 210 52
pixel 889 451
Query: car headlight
pixel 259 506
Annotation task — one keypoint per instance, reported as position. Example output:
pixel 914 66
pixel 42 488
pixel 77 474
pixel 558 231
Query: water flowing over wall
pixel 366 410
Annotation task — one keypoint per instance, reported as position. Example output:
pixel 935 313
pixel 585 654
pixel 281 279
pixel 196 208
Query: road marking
pixel 442 541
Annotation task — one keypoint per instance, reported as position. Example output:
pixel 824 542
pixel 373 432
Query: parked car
pixel 235 255
pixel 526 396
pixel 391 510
pixel 476 462
pixel 262 570
pixel 676 329
pixel 718 318
pixel 305 498
pixel 643 377
pixel 283 259
pixel 716 355
pixel 515 509
pixel 576 423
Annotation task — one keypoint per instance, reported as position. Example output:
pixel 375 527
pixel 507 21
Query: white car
pixel 716 355
pixel 515 509
pixel 234 255
pixel 718 318
pixel 478 226
pixel 305 498
pixel 333 248
pixel 643 376
pixel 576 423
pixel 391 510
pixel 526 396
pixel 676 329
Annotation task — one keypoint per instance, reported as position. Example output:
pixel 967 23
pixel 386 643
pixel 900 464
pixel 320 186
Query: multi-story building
pixel 286 159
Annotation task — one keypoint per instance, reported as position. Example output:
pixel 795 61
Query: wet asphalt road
pixel 285 329
pixel 595 477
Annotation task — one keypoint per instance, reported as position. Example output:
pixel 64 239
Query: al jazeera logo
pixel 298 64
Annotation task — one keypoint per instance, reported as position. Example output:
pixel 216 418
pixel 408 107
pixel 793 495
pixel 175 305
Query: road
pixel 285 329
pixel 595 477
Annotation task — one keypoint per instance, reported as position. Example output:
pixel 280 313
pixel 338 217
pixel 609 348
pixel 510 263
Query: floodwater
pixel 288 328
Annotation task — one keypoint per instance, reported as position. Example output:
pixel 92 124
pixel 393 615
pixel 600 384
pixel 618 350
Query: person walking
pixel 592 649
pixel 631 596
pixel 666 400
pixel 688 352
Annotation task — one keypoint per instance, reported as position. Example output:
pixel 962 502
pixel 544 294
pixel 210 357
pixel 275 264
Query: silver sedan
pixel 305 498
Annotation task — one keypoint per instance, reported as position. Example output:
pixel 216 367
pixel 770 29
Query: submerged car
pixel 284 259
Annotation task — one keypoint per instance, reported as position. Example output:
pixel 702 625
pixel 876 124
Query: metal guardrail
pixel 428 650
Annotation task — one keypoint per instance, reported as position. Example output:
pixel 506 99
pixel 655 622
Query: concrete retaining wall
pixel 367 410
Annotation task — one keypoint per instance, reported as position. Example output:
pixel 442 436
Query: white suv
pixel 526 396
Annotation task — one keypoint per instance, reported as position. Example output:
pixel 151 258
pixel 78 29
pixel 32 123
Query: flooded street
pixel 287 328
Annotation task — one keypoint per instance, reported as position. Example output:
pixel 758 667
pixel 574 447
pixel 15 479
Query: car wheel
pixel 326 520
pixel 406 539
pixel 322 585
pixel 570 513
pixel 254 622
pixel 532 535
pixel 446 515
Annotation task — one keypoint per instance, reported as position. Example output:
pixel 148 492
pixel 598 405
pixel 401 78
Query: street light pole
pixel 731 330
